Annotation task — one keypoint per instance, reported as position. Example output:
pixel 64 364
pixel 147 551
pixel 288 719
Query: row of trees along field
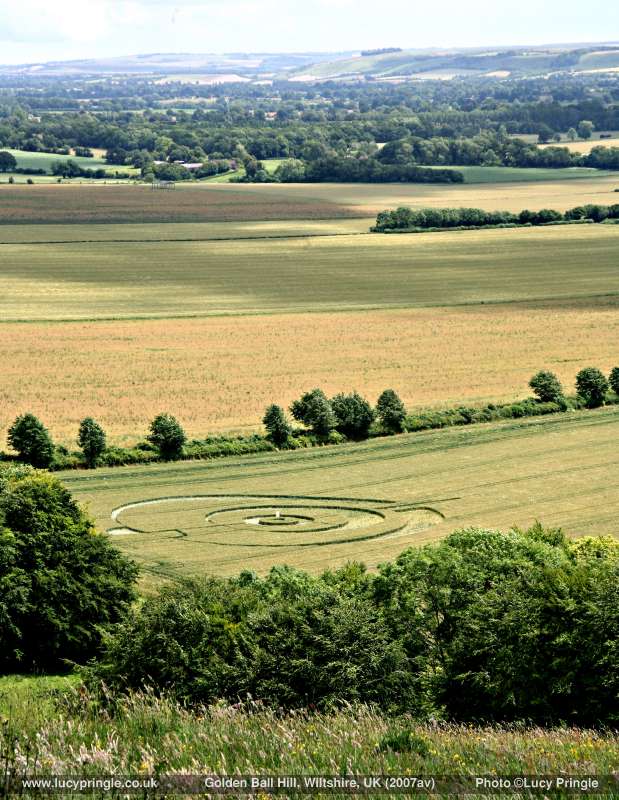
pixel 409 219
pixel 483 626
pixel 345 417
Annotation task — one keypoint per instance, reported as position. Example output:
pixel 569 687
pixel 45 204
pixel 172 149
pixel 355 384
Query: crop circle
pixel 260 521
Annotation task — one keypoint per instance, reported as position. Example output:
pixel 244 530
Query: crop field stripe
pixel 171 279
pixel 389 449
pixel 168 240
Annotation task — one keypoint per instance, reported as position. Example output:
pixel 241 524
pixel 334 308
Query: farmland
pixel 524 174
pixel 199 278
pixel 560 470
pixel 201 309
pixel 125 372
pixel 33 160
pixel 224 202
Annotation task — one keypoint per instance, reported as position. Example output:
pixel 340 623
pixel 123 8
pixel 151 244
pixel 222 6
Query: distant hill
pixel 382 64
pixel 407 64
pixel 248 64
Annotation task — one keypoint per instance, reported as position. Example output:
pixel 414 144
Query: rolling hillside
pixel 447 64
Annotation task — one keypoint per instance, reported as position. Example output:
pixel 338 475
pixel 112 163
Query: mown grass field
pixel 31 160
pixel 198 278
pixel 219 374
pixel 147 735
pixel 561 470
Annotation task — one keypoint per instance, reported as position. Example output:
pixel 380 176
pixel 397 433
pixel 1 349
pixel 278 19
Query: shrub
pixel 314 411
pixel 613 380
pixel 353 415
pixel 62 586
pixel 278 429
pixel 31 440
pixel 168 436
pixel 484 625
pixel 546 386
pixel 289 640
pixel 592 386
pixel 391 412
pixel 501 626
pixel 91 439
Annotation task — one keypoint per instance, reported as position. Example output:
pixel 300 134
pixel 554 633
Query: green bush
pixel 353 414
pixel 391 412
pixel 31 440
pixel 546 386
pixel 592 386
pixel 482 626
pixel 62 586
pixel 91 439
pixel 168 436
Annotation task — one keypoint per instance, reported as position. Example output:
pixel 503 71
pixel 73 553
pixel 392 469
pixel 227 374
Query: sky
pixel 46 30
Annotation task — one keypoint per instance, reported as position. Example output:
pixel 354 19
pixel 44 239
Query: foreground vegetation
pixel 485 625
pixel 447 640
pixel 150 735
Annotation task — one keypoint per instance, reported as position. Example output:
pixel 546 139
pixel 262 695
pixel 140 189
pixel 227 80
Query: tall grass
pixel 146 734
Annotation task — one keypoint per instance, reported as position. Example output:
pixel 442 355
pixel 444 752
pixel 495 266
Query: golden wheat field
pixel 368 199
pixel 220 373
pixel 584 148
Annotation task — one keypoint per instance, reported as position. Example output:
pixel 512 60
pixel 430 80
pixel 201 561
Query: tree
pixel 614 380
pixel 8 162
pixel 30 438
pixel 62 586
pixel 572 134
pixel 91 439
pixel 544 133
pixel 592 386
pixel 168 436
pixel 291 171
pixel 353 415
pixel 546 386
pixel 278 429
pixel 391 411
pixel 585 129
pixel 314 411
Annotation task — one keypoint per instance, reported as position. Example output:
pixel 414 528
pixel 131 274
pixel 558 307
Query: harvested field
pixel 195 278
pixel 584 148
pixel 219 374
pixel 561 470
pixel 369 199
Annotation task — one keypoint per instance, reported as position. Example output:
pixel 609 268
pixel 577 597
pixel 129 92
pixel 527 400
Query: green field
pixel 521 174
pixel 30 160
pixel 363 502
pixel 199 278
